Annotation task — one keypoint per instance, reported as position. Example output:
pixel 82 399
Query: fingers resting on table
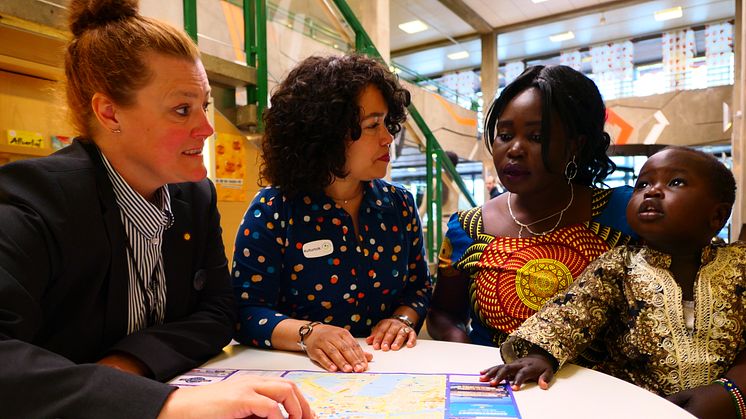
pixel 242 397
pixel 391 334
pixel 531 368
pixel 335 349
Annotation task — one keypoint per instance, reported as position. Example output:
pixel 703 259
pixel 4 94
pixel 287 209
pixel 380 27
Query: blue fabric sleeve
pixel 457 241
pixel 257 266
pixel 615 213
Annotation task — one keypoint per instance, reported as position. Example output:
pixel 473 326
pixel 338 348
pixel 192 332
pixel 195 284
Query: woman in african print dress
pixel 501 262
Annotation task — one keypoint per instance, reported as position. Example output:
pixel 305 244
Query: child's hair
pixel 720 177
pixel 580 108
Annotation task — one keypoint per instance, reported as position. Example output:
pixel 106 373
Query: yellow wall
pixel 232 212
pixel 30 104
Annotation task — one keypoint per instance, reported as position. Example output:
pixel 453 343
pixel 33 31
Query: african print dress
pixel 511 278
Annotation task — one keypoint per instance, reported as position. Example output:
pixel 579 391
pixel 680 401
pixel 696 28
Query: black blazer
pixel 64 286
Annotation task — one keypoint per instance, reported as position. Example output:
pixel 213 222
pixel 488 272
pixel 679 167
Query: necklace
pixel 528 226
pixel 345 201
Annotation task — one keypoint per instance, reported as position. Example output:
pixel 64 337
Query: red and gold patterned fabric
pixel 511 278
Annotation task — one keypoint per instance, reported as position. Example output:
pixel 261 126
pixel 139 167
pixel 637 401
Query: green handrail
pixel 249 44
pixel 255 45
pixel 262 73
pixel 434 152
pixel 190 19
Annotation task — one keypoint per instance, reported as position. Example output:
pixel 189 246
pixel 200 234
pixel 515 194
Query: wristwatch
pixel 404 319
pixel 303 332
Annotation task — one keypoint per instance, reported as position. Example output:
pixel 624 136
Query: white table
pixel 575 392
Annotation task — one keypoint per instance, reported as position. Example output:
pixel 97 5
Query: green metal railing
pixel 435 156
pixel 255 45
pixel 436 87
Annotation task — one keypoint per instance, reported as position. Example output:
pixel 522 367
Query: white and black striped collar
pixel 147 217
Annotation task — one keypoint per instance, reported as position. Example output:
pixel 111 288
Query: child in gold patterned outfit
pixel 672 313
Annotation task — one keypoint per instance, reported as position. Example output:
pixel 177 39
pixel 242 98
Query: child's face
pixel 672 206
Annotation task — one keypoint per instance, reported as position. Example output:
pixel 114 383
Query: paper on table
pixel 383 395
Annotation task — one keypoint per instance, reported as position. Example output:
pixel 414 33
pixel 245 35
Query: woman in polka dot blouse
pixel 330 251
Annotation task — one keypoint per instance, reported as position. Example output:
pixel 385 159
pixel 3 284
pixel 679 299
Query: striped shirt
pixel 144 224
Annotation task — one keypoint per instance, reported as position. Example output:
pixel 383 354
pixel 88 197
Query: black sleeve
pixel 184 343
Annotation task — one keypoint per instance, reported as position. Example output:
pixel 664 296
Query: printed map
pixel 383 395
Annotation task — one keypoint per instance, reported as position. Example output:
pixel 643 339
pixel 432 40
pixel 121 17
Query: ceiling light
pixel 564 36
pixel 538 1
pixel 668 14
pixel 413 26
pixel 458 55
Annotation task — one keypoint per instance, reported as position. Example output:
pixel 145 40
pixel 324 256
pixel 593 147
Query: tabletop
pixel 575 392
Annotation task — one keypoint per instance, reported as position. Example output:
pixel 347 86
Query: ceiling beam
pixel 434 44
pixel 597 8
pixel 570 14
pixel 468 15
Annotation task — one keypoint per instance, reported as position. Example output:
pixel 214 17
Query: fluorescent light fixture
pixel 413 26
pixel 668 14
pixel 564 36
pixel 538 1
pixel 458 55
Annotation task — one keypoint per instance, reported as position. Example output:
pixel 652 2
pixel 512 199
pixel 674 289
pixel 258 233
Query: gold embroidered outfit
pixel 629 299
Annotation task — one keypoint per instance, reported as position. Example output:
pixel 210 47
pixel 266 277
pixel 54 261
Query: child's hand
pixel 710 401
pixel 521 370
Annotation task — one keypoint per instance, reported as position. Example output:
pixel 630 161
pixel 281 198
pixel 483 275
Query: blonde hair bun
pixel 90 14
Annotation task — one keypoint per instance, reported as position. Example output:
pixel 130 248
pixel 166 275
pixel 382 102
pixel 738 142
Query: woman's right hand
pixel 534 367
pixel 335 349
pixel 239 398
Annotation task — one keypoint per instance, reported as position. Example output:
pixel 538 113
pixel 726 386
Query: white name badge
pixel 318 248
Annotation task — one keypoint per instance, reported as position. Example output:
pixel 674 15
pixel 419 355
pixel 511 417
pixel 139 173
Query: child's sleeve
pixel 569 322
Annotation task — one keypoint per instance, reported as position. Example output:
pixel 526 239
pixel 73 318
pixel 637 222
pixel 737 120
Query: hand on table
pixel 710 401
pixel 393 334
pixel 239 398
pixel 530 368
pixel 335 349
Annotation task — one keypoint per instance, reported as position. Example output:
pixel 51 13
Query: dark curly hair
pixel 315 111
pixel 578 103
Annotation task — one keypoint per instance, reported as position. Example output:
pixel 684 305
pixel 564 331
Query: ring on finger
pixel 405 330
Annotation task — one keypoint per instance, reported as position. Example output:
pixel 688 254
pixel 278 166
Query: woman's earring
pixel 571 170
pixel 117 130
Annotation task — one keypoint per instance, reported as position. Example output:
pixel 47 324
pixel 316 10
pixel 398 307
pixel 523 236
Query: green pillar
pixel 190 19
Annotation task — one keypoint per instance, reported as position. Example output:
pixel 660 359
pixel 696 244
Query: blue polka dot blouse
pixel 299 258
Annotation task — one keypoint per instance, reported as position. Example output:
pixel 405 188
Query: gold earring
pixel 117 130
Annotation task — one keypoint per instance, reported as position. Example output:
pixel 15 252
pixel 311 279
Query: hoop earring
pixel 571 170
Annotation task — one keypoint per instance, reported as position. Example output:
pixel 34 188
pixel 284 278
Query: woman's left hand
pixel 709 402
pixel 391 334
